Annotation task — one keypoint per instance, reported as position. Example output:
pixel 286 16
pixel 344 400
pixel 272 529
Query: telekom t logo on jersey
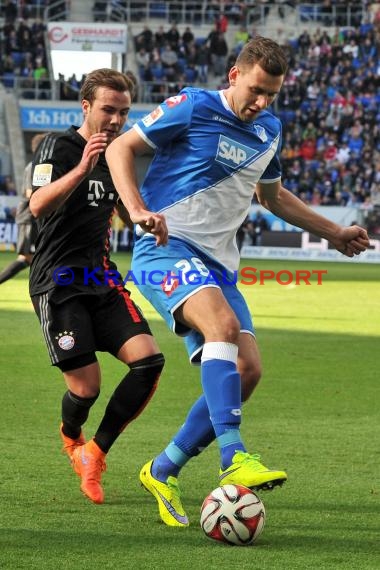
pixel 233 153
pixel 96 193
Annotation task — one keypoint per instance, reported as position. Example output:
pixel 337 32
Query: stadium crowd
pixel 329 105
pixel 330 112
pixel 23 53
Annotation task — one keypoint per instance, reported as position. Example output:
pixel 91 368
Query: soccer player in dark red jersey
pixel 76 290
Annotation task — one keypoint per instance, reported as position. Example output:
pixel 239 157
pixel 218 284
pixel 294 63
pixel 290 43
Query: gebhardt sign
pixel 87 37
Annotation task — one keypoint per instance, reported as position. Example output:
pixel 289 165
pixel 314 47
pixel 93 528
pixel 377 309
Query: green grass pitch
pixel 315 413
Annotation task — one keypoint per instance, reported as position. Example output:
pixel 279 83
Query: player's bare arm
pixel 50 197
pixel 121 155
pixel 348 240
pixel 124 215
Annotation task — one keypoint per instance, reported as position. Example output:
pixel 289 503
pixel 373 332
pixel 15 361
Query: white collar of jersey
pixel 225 102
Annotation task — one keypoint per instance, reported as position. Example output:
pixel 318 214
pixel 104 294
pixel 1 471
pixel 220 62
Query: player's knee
pixel 80 401
pixel 226 328
pixel 232 330
pixel 149 368
pixel 250 377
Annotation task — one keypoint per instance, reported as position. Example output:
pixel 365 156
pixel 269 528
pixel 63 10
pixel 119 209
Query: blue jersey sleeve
pixel 273 170
pixel 167 121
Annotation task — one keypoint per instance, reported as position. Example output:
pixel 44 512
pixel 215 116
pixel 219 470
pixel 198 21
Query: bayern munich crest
pixel 65 340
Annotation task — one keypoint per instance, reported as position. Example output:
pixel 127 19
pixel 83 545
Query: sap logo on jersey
pixel 232 153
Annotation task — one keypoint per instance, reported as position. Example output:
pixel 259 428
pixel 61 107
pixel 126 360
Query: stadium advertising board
pixel 59 118
pixel 71 36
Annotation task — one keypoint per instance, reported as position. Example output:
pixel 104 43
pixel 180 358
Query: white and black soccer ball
pixel 233 514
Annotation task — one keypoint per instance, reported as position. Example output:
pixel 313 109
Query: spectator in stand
pixel 142 58
pixel 222 23
pixel 202 62
pixel 187 36
pixel 218 52
pixel 343 154
pixel 11 43
pixel 38 29
pixel 188 53
pixel 304 42
pixel 330 152
pixel 8 65
pixel 308 149
pixel 24 36
pixel 313 90
pixel 368 50
pixel 241 233
pixel 144 39
pixel 9 11
pixel 241 37
pixel 355 140
pixel 351 48
pixel 173 37
pixel 40 70
pixel 333 119
pixel 169 59
pixel 255 228
pixel 310 132
pixel 160 38
pixel 306 184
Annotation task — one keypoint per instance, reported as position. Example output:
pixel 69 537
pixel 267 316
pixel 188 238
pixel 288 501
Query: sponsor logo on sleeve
pixel 153 116
pixel 42 174
pixel 175 100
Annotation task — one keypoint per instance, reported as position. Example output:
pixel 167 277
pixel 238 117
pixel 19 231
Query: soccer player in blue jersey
pixel 212 151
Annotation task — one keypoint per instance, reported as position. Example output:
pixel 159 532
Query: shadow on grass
pixel 311 539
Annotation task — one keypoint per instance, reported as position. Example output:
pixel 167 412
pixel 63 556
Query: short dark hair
pixel 105 77
pixel 265 52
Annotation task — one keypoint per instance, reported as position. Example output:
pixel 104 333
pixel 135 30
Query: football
pixel 233 514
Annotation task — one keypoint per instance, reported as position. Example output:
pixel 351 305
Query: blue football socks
pixel 222 389
pixel 221 402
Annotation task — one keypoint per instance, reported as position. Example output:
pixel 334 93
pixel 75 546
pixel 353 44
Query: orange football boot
pixel 69 445
pixel 88 462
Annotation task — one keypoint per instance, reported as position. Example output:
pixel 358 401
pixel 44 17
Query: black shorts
pixel 85 323
pixel 26 237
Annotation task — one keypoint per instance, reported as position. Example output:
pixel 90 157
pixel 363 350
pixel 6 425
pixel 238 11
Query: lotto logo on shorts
pixel 169 284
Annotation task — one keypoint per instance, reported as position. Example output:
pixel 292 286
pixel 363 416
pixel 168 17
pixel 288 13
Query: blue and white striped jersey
pixel 206 166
